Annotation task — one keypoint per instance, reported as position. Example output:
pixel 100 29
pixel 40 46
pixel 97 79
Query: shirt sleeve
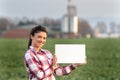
pixel 64 70
pixel 33 66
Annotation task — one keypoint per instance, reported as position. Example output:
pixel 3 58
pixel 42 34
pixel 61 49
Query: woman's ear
pixel 31 36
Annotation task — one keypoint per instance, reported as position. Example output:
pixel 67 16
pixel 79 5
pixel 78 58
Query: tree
pixel 84 28
pixel 4 24
pixel 101 26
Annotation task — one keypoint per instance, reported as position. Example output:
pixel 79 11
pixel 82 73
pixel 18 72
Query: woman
pixel 40 64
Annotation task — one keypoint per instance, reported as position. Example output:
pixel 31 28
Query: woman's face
pixel 39 39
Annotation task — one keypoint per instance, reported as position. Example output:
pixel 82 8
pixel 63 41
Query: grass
pixel 103 59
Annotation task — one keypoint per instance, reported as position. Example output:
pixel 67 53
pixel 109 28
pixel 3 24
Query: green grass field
pixel 103 59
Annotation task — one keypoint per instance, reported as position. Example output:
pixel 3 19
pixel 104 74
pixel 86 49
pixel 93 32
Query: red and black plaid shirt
pixel 39 65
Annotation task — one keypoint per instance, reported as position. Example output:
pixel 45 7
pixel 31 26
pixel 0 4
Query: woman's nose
pixel 42 39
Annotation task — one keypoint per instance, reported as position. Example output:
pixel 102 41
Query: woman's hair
pixel 34 30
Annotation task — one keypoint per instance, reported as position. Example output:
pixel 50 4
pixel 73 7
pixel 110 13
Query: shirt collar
pixel 32 48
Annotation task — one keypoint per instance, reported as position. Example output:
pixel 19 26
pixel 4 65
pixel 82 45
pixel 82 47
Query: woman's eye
pixel 44 37
pixel 39 37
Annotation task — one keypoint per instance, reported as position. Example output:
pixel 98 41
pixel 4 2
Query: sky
pixel 57 8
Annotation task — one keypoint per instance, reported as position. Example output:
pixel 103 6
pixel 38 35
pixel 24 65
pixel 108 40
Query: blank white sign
pixel 70 53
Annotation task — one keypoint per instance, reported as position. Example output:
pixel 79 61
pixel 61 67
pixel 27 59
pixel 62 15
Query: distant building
pixel 16 33
pixel 69 26
pixel 111 34
pixel 112 27
pixel 118 28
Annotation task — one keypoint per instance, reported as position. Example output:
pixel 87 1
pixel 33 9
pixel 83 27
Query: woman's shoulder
pixel 28 53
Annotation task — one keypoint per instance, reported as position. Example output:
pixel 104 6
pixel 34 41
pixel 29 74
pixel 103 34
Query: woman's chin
pixel 40 45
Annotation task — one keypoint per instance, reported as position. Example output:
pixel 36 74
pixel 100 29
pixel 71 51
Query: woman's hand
pixel 80 64
pixel 55 65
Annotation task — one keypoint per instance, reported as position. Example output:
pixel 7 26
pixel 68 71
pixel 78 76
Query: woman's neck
pixel 36 48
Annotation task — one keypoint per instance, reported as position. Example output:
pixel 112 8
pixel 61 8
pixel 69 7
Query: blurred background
pixel 63 18
pixel 95 23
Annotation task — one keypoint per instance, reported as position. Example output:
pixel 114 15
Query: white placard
pixel 70 53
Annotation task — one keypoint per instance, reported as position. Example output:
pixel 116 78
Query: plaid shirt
pixel 39 65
